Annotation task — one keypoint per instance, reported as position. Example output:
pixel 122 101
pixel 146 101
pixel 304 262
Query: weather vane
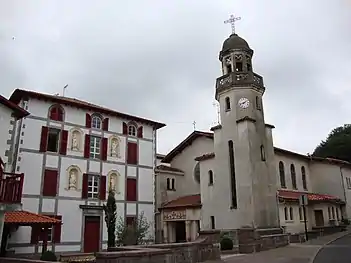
pixel 232 21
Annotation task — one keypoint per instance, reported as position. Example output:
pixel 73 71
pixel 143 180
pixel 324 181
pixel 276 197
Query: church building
pixel 233 177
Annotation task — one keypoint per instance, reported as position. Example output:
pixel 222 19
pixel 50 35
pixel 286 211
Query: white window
pixel 93 187
pixel 96 122
pixel 95 147
pixel 131 130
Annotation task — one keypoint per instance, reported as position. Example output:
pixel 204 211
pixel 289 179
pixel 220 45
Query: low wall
pixel 316 232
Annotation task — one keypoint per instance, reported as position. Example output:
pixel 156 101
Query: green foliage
pixel 226 243
pixel 134 234
pixel 337 145
pixel 110 218
pixel 48 256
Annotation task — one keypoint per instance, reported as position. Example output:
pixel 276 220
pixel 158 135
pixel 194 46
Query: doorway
pixel 180 231
pixel 318 215
pixel 91 234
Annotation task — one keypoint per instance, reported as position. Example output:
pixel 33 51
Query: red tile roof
pixel 17 110
pixel 184 201
pixel 205 156
pixel 184 144
pixel 168 169
pixel 18 94
pixel 28 218
pixel 294 195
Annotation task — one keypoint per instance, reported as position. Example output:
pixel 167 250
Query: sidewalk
pixel 294 253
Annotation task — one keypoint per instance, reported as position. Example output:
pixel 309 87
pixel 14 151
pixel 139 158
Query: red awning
pixel 24 218
pixel 294 195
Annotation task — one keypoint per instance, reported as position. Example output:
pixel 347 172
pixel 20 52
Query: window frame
pixel 281 168
pixel 132 130
pixel 227 104
pixel 293 176
pixel 58 139
pixel 96 122
pixel 210 177
pixel 304 178
pixel 92 179
pixel 56 113
pixel 95 147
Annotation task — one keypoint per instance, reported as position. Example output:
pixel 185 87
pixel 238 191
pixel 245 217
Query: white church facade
pixel 71 153
pixel 233 177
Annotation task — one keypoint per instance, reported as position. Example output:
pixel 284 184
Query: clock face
pixel 244 103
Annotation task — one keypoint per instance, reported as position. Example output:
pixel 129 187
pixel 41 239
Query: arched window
pixel 291 213
pixel 303 175
pixel 96 122
pixel 258 103
pixel 293 176
pixel 263 154
pixel 56 113
pixel 197 173
pixel 286 213
pixel 333 212
pixel 168 184
pixel 210 177
pixel 131 130
pixel 282 174
pixel 227 104
pixel 173 184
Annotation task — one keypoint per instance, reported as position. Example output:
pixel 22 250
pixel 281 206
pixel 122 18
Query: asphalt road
pixel 338 251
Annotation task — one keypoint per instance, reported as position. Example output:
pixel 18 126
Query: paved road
pixel 338 251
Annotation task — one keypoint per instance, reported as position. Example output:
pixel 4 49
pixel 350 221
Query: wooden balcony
pixel 11 186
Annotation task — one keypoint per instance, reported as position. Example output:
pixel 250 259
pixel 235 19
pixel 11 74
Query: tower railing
pixel 240 79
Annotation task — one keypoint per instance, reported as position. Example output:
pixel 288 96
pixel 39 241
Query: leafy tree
pixel 110 218
pixel 134 234
pixel 337 145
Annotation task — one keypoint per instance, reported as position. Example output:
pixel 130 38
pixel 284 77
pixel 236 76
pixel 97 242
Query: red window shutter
pixel 125 128
pixel 87 120
pixel 132 157
pixel 102 193
pixel 87 146
pixel 57 230
pixel 105 124
pixel 140 132
pixel 53 113
pixel 35 235
pixel 104 149
pixel 43 138
pixel 85 186
pixel 64 139
pixel 50 183
pixel 131 189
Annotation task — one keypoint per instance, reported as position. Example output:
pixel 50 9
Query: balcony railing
pixel 11 186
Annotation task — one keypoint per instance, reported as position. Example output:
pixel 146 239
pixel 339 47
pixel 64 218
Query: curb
pixel 330 241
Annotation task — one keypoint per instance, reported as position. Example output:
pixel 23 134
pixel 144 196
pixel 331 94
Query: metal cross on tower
pixel 232 21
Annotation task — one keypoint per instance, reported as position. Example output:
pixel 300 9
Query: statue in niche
pixel 114 148
pixel 75 141
pixel 72 180
pixel 112 183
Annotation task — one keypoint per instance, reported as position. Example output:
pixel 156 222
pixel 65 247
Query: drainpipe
pixel 343 187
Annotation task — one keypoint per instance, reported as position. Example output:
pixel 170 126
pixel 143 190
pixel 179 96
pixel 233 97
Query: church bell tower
pixel 244 150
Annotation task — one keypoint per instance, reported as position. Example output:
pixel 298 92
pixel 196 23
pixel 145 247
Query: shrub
pixel 48 256
pixel 226 243
pixel 346 221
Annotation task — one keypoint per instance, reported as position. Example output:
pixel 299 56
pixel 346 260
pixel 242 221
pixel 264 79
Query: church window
pixel 258 103
pixel 197 173
pixel 210 177
pixel 213 225
pixel 227 104
pixel 131 130
pixel 232 173
pixel 248 66
pixel 291 210
pixel 286 213
pixel 173 184
pixel 333 212
pixel 56 113
pixel 168 184
pixel 263 154
pixel 304 179
pixel 238 66
pixel 96 122
pixel 293 176
pixel 282 174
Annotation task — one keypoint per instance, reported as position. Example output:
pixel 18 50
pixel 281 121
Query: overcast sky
pixel 159 59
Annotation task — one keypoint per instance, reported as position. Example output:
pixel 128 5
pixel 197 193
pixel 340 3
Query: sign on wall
pixel 174 215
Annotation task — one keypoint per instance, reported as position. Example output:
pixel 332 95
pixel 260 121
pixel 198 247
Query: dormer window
pixel 96 122
pixel 131 130
pixel 56 113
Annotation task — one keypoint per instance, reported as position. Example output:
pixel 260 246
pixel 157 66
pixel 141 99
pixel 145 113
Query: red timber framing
pixel 41 225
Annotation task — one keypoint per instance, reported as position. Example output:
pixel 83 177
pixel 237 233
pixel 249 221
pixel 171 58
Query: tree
pixel 134 234
pixel 110 218
pixel 337 145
